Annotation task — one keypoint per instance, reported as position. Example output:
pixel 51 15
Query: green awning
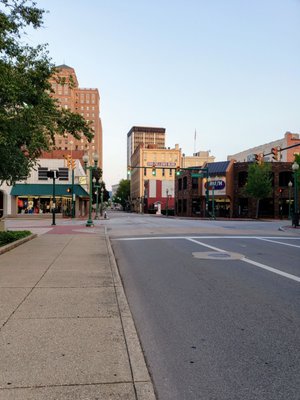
pixel 38 189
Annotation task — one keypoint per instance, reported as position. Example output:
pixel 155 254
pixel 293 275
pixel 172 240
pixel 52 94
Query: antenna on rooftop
pixel 195 138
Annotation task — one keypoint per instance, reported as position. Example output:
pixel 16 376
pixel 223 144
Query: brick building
pixel 228 198
pixel 199 196
pixel 84 101
pixel 278 205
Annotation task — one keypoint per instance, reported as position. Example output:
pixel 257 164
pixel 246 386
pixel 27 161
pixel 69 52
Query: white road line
pixel 257 264
pixel 275 271
pixel 206 245
pixel 274 241
pixel 204 237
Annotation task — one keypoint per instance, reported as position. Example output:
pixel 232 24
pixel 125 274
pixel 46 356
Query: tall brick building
pixel 84 101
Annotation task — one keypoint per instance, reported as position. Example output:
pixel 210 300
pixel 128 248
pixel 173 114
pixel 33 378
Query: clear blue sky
pixel 227 68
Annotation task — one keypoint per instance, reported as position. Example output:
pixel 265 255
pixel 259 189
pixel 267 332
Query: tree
pixel 259 182
pixel 29 115
pixel 123 193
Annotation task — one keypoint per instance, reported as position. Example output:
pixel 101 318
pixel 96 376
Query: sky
pixel 227 69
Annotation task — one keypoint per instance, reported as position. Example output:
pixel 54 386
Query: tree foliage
pixel 29 115
pixel 123 193
pixel 259 182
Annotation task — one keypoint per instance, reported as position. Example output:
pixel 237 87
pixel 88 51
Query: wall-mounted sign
pixel 82 180
pixel 218 184
pixel 161 164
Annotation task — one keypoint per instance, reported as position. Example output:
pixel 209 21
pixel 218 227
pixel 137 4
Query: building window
pixel 242 178
pixel 179 206
pixel 63 174
pixel 184 183
pixel 179 184
pixel 42 174
pixel 184 205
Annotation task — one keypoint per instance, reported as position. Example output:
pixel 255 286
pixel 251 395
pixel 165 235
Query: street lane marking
pixel 204 237
pixel 247 260
pixel 275 271
pixel 274 241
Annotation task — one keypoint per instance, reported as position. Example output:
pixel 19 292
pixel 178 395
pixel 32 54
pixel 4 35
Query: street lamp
pixel 101 211
pixel 85 158
pixel 290 184
pixel 167 203
pixel 97 194
pixel 295 168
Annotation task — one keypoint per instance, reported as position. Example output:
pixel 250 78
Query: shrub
pixel 11 236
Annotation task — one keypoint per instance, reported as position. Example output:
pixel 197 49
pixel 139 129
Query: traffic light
pixel 259 158
pixel 280 190
pixel 69 190
pixel 128 171
pixel 178 171
pixel 276 153
pixel 153 170
pixel 68 160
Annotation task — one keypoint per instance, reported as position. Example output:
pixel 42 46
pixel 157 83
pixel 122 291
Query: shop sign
pixel 161 164
pixel 218 184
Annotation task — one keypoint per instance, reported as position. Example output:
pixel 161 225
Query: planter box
pixel 2 225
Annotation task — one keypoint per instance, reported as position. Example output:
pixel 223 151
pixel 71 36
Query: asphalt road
pixel 216 305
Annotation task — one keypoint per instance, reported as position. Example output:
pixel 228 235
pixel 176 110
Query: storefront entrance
pixel 43 205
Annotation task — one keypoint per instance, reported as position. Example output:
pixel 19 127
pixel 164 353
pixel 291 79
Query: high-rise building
pixel 84 101
pixel 144 135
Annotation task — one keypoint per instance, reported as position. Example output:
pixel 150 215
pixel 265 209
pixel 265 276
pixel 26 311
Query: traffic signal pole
pixel 73 196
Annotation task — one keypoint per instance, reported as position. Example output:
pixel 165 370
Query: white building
pixel 35 194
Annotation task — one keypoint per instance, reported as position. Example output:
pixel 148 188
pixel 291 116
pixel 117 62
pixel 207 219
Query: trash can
pixel 295 220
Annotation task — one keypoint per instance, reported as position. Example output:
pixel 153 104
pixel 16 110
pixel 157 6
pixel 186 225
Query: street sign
pixel 197 175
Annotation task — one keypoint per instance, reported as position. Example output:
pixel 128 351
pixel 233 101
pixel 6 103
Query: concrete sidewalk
pixel 66 331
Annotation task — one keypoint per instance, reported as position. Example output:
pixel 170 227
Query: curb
pixel 16 243
pixel 141 379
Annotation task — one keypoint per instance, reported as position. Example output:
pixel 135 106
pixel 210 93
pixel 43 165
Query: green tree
pixel 122 195
pixel 259 182
pixel 29 115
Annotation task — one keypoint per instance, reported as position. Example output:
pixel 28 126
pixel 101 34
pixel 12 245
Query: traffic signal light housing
pixel 153 170
pixel 128 171
pixel 274 152
pixel 259 158
pixel 178 171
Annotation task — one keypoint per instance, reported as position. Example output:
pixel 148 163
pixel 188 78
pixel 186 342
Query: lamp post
pixel 101 210
pixel 167 203
pixel 85 158
pixel 290 184
pixel 97 197
pixel 295 168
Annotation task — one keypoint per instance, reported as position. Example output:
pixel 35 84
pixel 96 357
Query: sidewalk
pixel 66 332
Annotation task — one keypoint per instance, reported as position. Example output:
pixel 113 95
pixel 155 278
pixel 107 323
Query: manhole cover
pixel 216 255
